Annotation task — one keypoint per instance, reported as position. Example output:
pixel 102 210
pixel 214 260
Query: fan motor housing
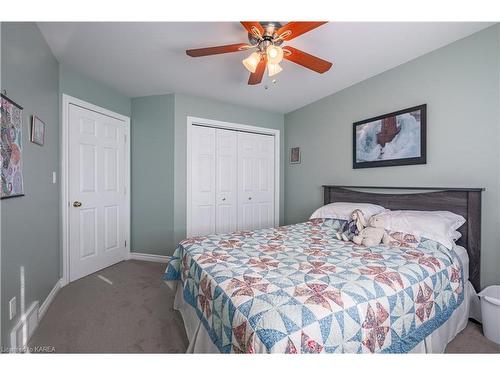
pixel 269 36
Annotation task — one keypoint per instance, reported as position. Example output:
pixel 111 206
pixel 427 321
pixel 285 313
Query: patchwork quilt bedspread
pixel 297 289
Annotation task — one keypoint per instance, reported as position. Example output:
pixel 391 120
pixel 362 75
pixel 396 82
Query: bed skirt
pixel 200 341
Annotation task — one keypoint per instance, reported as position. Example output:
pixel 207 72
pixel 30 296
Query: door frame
pixel 193 121
pixel 67 100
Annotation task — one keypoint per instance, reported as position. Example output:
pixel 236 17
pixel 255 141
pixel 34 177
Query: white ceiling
pixel 139 59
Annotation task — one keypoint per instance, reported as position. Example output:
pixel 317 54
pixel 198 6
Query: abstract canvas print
pixel 397 138
pixel 11 151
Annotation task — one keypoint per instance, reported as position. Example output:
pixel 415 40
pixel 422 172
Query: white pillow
pixel 439 226
pixel 456 235
pixel 343 210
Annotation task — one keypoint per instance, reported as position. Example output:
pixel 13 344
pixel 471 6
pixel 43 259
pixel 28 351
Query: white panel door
pixel 255 181
pixel 226 185
pixel 97 211
pixel 202 181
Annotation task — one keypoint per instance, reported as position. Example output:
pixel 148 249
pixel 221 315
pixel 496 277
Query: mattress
pixel 298 289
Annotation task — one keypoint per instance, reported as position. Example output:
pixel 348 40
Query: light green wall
pixel 30 224
pixel 460 84
pixel 152 137
pixel 213 110
pixel 91 91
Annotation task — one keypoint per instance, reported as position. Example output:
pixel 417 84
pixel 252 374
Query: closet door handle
pixel 223 199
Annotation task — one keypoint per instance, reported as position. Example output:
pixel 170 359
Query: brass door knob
pixel 77 204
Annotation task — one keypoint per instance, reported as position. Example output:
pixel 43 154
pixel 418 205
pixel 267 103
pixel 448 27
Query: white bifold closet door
pixel 232 181
pixel 255 181
pixel 226 181
pixel 203 181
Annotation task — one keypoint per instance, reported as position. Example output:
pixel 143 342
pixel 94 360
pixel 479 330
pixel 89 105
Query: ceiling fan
pixel 267 38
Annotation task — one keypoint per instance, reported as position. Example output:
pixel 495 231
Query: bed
pixel 297 289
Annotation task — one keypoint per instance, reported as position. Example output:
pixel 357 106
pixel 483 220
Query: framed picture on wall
pixel 37 131
pixel 295 155
pixel 397 138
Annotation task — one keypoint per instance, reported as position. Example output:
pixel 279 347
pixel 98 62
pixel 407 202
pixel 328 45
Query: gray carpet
pixel 471 340
pixel 135 315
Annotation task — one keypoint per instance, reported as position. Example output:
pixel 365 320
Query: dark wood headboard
pixel 462 201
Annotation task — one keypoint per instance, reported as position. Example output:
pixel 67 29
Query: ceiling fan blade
pixel 306 60
pixel 250 25
pixel 256 78
pixel 294 29
pixel 217 50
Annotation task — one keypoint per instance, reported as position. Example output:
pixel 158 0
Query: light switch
pixel 12 308
pixel 54 177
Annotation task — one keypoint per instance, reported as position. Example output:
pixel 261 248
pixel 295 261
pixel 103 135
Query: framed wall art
pixel 37 131
pixel 397 138
pixel 295 155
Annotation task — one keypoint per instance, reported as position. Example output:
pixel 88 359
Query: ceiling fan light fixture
pixel 273 69
pixel 274 54
pixel 252 61
pixel 266 39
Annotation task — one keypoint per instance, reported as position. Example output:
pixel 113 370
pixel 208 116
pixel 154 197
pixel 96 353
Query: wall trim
pixel 29 321
pixel 49 299
pixel 192 121
pixel 150 257
pixel 23 329
pixel 64 147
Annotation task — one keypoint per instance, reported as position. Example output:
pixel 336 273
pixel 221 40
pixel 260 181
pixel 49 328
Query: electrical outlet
pixel 54 177
pixel 12 308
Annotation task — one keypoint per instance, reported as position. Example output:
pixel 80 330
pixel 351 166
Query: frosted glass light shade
pixel 273 69
pixel 252 61
pixel 274 54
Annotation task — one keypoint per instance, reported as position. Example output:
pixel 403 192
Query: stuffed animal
pixel 373 234
pixel 353 227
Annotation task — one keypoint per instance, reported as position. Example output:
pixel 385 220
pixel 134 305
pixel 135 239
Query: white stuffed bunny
pixel 373 234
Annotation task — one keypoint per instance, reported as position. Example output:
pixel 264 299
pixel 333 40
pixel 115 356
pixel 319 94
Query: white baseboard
pixel 28 322
pixel 45 305
pixel 24 328
pixel 150 257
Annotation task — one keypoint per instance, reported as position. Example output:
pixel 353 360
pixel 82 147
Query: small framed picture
pixel 37 131
pixel 295 155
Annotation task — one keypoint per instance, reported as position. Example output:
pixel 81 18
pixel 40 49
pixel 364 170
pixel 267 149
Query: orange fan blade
pixel 250 25
pixel 294 29
pixel 256 78
pixel 217 50
pixel 306 60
